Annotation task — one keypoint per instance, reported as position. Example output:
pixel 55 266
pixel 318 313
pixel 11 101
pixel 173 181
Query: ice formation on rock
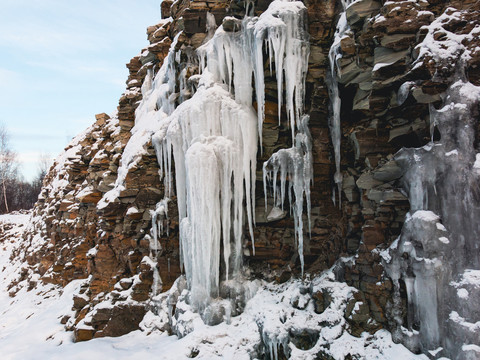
pixel 278 321
pixel 289 49
pixel 214 144
pixel 159 217
pixel 272 314
pixel 212 138
pixel 334 55
pixel 439 240
pixel 233 57
pixel 296 165
pixel 439 248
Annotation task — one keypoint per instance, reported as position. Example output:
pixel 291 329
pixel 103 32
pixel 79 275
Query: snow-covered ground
pixel 30 325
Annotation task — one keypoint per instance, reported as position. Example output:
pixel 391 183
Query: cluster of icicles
pixel 212 140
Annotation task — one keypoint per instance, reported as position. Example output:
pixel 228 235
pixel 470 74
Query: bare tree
pixel 8 165
pixel 15 192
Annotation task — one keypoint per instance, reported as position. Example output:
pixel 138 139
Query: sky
pixel 62 62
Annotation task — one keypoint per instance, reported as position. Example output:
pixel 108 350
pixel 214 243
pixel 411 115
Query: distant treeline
pixel 15 192
pixel 19 194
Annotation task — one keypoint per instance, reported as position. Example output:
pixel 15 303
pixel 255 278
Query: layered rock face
pixel 388 64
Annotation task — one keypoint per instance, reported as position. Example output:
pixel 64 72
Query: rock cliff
pixel 388 65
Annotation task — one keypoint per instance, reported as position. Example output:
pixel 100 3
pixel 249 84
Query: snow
pixel 425 215
pixel 473 327
pixel 451 48
pixel 378 66
pixel 273 313
pixel 471 347
pixel 276 214
pixel 30 322
pixel 132 210
pixel 462 293
pixel 469 278
pixel 444 240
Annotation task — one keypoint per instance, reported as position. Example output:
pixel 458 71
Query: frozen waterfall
pixel 212 137
pixel 296 165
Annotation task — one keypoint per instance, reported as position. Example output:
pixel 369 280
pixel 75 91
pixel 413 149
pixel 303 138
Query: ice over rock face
pixel 211 138
pixel 334 56
pixel 233 57
pixel 295 164
pixel 439 240
pixel 438 249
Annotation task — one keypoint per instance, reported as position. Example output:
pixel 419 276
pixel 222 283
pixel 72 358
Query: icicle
pixel 157 281
pixel 334 55
pixel 213 139
pixel 159 215
pixel 283 27
pixel 296 164
pixel 204 210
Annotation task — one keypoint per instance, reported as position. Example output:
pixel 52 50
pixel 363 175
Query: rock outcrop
pixel 389 78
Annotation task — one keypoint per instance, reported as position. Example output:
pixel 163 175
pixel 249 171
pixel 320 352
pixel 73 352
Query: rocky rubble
pixel 387 84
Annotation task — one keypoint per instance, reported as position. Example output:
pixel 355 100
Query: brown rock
pixel 83 334
pixel 165 7
pixel 124 319
pixel 101 119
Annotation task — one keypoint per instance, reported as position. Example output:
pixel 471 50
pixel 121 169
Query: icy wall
pixel 438 249
pixel 440 235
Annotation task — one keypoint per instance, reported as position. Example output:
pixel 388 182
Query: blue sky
pixel 62 62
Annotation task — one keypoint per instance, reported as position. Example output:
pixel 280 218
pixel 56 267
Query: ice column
pixel 231 58
pixel 214 144
pixel 296 165
pixel 334 55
